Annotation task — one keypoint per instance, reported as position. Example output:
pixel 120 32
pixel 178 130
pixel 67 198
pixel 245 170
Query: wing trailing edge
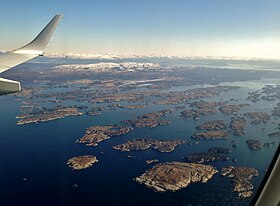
pixel 9 86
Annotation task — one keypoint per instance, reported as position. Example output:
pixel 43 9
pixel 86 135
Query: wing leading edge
pixel 31 50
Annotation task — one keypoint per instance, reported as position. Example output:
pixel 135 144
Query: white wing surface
pixel 33 49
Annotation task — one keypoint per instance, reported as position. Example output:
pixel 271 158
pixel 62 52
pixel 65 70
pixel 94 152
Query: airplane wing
pixel 31 50
pixel 9 60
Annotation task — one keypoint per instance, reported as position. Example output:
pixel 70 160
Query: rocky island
pixel 274 134
pixel 213 125
pixel 96 134
pixel 268 93
pixel 118 97
pixel 150 120
pixel 203 104
pixel 151 161
pixel 233 143
pixel 51 114
pixel 95 111
pixel 254 144
pixel 237 126
pixel 241 179
pixel 134 106
pixel 268 144
pixel 276 110
pixel 173 176
pixel 201 108
pixel 82 162
pixel 178 97
pixel 232 108
pixel 258 117
pixel 143 144
pixel 210 135
pixel 201 157
pixel 222 150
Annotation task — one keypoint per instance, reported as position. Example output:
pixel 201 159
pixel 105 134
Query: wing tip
pixel 38 45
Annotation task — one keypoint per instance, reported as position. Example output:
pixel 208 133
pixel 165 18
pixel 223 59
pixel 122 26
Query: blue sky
pixel 178 27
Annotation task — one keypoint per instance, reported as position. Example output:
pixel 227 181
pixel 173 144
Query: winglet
pixel 38 45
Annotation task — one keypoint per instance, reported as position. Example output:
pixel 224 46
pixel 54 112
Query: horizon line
pixel 89 55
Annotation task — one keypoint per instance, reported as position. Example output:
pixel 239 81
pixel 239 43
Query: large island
pixel 241 179
pixel 173 176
